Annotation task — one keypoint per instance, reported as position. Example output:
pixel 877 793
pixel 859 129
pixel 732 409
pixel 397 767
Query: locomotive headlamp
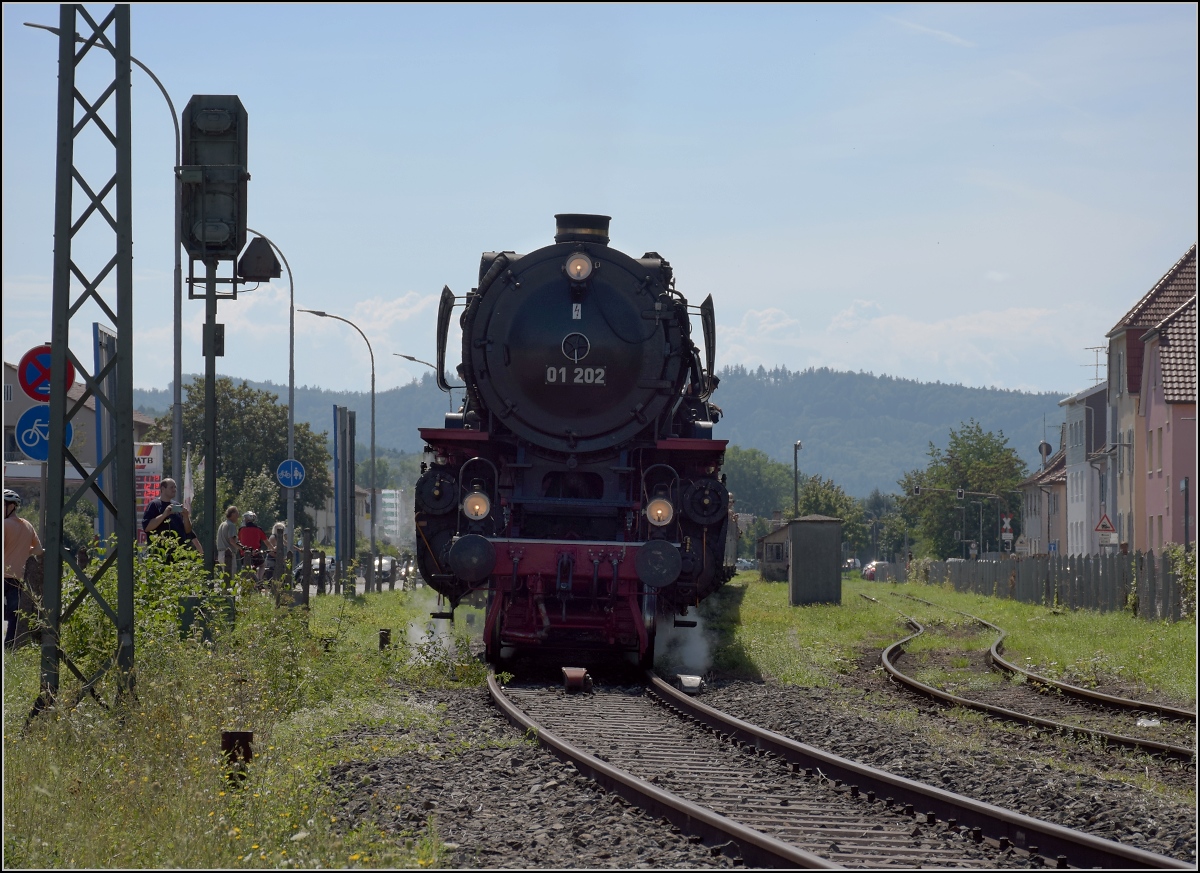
pixel 579 266
pixel 476 506
pixel 659 511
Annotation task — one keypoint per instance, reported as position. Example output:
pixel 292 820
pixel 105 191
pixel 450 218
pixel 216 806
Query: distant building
pixel 1045 518
pixel 773 550
pixel 325 521
pixel 1085 429
pixel 1168 414
pixel 1127 472
pixel 391 513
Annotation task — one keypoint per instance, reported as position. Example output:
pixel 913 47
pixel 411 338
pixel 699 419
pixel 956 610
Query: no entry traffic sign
pixel 33 433
pixel 290 473
pixel 34 373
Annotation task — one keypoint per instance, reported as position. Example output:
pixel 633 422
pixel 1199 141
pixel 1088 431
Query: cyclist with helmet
pixel 20 542
pixel 254 541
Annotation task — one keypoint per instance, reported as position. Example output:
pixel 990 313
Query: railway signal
pixel 213 171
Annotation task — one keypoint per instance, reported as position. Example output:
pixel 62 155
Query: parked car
pixel 852 564
pixel 869 570
pixel 385 569
pixel 746 564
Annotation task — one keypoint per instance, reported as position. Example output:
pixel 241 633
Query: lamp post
pixel 450 397
pixel 177 392
pixel 291 492
pixel 796 478
pixel 371 571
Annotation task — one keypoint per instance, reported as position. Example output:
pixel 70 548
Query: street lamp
pixel 427 364
pixel 796 478
pixel 177 398
pixel 370 572
pixel 291 492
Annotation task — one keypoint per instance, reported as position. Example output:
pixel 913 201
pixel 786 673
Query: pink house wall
pixel 1178 459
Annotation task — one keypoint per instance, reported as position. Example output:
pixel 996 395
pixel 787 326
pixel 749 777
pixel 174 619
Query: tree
pixel 252 435
pixel 976 461
pixel 820 496
pixel 759 484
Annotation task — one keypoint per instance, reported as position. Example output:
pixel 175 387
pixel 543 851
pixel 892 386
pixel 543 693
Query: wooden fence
pixel 1143 583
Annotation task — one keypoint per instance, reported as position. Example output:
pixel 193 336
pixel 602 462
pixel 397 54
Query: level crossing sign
pixel 290 473
pixel 1006 531
pixel 1105 526
pixel 33 433
pixel 33 373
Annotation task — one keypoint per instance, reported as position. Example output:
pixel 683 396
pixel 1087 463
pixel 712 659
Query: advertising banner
pixel 148 467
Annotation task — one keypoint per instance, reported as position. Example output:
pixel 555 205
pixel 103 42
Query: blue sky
pixel 967 193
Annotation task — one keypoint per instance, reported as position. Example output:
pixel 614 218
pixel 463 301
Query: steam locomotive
pixel 578 487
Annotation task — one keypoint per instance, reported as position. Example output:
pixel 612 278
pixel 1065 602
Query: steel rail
pixel 1071 690
pixel 1180 752
pixel 756 848
pixel 1070 847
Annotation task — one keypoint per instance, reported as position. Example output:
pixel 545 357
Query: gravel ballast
pixel 868 719
pixel 499 800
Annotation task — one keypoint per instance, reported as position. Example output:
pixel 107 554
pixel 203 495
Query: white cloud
pixel 939 34
pixel 849 319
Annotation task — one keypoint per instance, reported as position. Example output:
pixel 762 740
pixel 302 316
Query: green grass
pixel 761 636
pixel 147 788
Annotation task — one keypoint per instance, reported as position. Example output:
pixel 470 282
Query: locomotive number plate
pixel 575 375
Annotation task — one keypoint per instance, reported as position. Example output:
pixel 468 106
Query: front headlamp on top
pixel 578 266
pixel 476 506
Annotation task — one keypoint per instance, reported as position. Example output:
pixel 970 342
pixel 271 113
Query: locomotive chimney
pixel 573 227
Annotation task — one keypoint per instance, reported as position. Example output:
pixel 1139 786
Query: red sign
pixel 1105 526
pixel 34 373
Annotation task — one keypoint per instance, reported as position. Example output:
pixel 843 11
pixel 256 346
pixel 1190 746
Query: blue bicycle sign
pixel 33 433
pixel 290 473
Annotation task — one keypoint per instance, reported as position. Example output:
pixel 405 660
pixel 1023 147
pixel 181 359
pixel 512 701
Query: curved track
pixel 781 803
pixel 1066 709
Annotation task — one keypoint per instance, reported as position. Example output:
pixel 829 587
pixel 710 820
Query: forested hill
pixel 864 431
pixel 861 430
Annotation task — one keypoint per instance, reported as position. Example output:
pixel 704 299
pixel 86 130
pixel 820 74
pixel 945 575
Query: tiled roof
pixel 1167 295
pixel 1177 351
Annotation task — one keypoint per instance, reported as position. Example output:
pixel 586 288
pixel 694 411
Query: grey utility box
pixel 815 574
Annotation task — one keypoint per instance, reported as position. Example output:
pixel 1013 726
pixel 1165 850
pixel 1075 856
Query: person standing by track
pixel 20 543
pixel 229 548
pixel 168 521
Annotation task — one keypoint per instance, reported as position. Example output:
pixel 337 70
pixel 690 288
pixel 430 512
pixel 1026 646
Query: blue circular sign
pixel 33 433
pixel 290 473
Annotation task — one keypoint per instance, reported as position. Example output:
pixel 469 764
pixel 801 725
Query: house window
pixel 1160 450
pixel 1120 373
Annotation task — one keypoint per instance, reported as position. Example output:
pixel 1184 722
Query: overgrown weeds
pixel 761 636
pixel 145 784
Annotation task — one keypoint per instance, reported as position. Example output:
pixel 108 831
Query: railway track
pixel 776 802
pixel 1154 728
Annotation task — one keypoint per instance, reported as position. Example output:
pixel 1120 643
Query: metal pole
pixel 1183 486
pixel 374 513
pixel 210 412
pixel 291 492
pixel 796 478
pixel 370 576
pixel 177 399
